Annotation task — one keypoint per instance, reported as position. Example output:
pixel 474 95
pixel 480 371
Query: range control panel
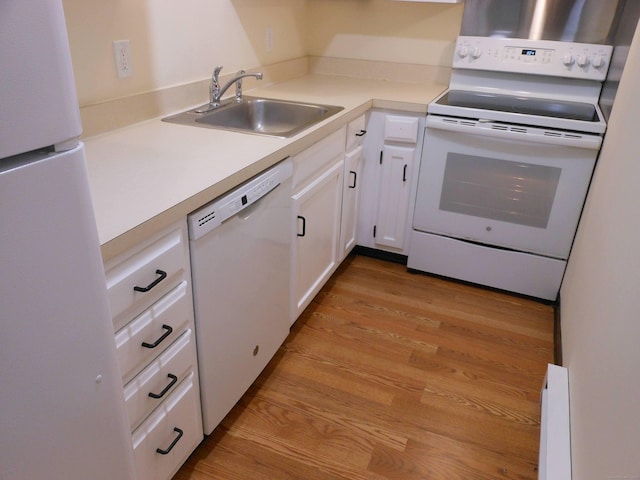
pixel 535 57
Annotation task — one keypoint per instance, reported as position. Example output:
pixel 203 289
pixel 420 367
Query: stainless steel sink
pixel 278 118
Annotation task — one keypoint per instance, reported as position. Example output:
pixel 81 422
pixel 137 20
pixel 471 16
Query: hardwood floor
pixel 392 375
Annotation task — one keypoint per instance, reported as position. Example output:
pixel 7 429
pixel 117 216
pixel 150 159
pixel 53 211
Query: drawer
pixel 401 128
pixel 309 163
pixel 156 382
pixel 180 412
pixel 157 267
pixel 147 335
pixel 356 130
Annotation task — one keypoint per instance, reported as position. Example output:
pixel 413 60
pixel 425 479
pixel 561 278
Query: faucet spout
pixel 216 92
pixel 238 81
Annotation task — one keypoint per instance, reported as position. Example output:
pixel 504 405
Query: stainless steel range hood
pixel 584 21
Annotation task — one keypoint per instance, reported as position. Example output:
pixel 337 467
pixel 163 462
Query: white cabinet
pixel 149 291
pixel 317 211
pixel 394 194
pixel 353 159
pixel 389 180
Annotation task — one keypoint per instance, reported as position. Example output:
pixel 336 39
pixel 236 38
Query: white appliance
pixel 63 412
pixel 508 155
pixel 241 267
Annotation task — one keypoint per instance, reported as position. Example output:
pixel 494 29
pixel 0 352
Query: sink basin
pixel 278 118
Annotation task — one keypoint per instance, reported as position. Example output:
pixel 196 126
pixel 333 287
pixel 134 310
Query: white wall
pixel 178 42
pixel 405 32
pixel 601 302
pixel 175 42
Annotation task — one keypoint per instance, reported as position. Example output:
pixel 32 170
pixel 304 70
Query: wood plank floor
pixel 392 375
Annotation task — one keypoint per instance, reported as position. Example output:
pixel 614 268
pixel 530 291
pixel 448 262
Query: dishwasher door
pixel 240 262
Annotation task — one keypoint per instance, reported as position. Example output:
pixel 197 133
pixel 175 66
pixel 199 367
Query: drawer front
pixel 147 335
pixel 401 128
pixel 180 412
pixel 319 156
pixel 356 132
pixel 159 267
pixel 156 382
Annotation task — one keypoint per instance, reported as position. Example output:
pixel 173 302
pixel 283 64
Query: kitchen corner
pixel 148 175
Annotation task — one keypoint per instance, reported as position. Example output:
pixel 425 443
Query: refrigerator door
pixel 61 401
pixel 38 99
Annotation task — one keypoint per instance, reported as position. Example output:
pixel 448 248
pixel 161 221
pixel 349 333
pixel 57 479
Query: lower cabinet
pixel 149 291
pixel 352 184
pixel 169 435
pixel 389 180
pixel 317 213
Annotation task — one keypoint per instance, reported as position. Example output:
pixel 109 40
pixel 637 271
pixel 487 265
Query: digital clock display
pixel 528 52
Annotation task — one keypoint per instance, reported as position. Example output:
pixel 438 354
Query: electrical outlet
pixel 122 53
pixel 268 39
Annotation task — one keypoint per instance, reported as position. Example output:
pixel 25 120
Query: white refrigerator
pixel 62 412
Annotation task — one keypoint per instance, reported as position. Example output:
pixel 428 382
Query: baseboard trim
pixel 380 254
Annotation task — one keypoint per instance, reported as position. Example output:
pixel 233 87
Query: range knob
pixel 476 52
pixel 582 60
pixel 567 59
pixel 597 61
pixel 463 51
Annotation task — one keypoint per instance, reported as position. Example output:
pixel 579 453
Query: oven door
pixel 504 185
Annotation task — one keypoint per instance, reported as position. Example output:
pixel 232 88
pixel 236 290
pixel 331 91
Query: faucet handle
pixel 216 74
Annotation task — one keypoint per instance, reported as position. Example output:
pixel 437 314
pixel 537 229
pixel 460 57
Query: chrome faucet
pixel 216 92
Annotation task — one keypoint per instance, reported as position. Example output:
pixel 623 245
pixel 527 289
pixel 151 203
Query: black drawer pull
pixel 404 174
pixel 173 444
pixel 304 226
pixel 158 341
pixel 162 276
pixel 173 381
pixel 355 176
pixel 361 133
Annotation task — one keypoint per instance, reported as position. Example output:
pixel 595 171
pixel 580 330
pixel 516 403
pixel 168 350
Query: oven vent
pixel 549 133
pixel 507 128
pixel 455 121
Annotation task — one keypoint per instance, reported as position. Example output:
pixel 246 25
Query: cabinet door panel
pixel 395 189
pixel 149 388
pixel 159 325
pixel 172 428
pixel 350 199
pixel 317 212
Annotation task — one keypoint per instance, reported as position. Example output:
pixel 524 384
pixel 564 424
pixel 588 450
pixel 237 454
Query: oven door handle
pixel 514 132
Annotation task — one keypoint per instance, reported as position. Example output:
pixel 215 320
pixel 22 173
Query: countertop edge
pixel 116 244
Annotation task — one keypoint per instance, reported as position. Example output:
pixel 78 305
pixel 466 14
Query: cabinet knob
pixel 256 349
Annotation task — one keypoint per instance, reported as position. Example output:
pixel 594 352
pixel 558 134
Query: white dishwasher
pixel 240 262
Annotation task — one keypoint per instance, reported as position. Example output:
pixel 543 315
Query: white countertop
pixel 149 175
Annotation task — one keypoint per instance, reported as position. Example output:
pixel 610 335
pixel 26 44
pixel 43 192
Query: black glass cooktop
pixel 525 105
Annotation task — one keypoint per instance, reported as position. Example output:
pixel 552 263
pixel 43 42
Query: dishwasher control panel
pixel 213 214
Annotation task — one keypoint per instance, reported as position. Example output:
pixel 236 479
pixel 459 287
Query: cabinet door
pixel 350 195
pixel 317 211
pixel 395 189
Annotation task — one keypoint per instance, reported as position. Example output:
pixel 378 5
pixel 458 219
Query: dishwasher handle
pixel 207 218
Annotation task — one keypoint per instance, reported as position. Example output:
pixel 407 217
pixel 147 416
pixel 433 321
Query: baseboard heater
pixel 555 437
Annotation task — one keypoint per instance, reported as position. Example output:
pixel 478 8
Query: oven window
pixel 513 192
